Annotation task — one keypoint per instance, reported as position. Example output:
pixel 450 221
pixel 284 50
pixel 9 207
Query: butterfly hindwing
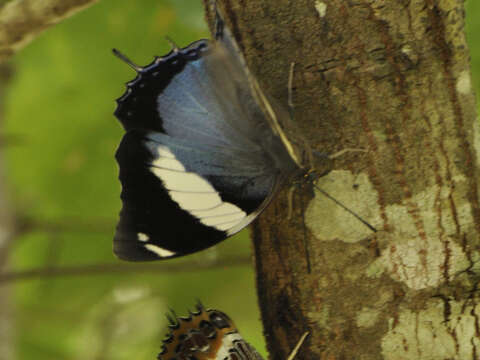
pixel 206 334
pixel 171 211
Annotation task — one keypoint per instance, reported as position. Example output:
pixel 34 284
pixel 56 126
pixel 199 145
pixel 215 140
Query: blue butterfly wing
pixel 198 161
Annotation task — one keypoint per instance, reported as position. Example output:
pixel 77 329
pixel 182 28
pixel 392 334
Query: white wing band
pixel 193 193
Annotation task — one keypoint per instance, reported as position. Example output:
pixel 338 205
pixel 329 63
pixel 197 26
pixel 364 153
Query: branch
pixel 11 140
pixel 25 224
pixel 107 269
pixel 23 20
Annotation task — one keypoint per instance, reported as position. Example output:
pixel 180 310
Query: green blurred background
pixel 63 176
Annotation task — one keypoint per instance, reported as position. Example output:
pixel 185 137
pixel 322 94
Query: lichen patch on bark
pixel 321 8
pixel 464 84
pixel 419 259
pixel 420 264
pixel 367 317
pixel 427 335
pixel 476 139
pixel 422 260
pixel 328 221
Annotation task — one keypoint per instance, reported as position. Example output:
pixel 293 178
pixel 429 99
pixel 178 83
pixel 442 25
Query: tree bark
pixel 393 78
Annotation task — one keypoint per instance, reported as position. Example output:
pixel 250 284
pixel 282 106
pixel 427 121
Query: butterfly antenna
pixel 344 151
pixel 297 347
pixel 305 246
pixel 305 241
pixel 291 192
pixel 125 59
pixel 364 222
pixel 218 26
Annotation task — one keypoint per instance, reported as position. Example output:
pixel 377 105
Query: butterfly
pixel 208 334
pixel 204 151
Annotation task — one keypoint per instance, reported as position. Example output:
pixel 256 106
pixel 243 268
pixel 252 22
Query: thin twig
pixel 11 140
pixel 68 224
pixel 107 269
pixel 23 20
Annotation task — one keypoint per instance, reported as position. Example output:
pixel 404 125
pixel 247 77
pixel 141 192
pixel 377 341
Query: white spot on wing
pixel 227 344
pixel 321 8
pixel 143 237
pixel 159 251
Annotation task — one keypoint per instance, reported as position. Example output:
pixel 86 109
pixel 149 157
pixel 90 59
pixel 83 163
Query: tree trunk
pixel 393 78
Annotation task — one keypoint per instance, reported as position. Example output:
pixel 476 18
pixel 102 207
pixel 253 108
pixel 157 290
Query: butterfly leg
pixel 290 202
pixel 305 233
pixel 291 107
pixel 344 151
pixel 290 194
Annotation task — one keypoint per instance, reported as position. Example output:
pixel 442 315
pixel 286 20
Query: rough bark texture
pixel 23 20
pixel 391 77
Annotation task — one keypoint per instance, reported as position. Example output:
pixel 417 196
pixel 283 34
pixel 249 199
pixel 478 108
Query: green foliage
pixel 61 102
